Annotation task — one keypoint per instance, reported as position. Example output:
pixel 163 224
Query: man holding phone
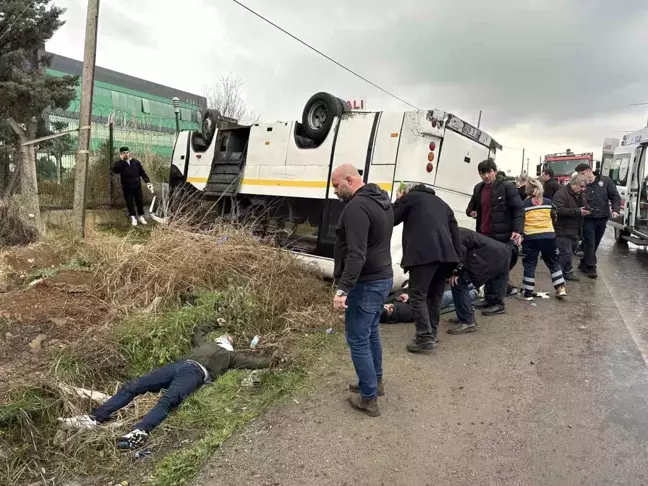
pixel 570 207
pixel 130 171
pixel 600 193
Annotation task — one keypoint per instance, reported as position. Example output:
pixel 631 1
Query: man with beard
pixel 364 276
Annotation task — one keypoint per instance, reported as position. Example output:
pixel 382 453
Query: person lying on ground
pixel 485 262
pixel 206 362
pixel 398 310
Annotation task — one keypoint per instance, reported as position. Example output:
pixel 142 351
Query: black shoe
pixel 463 328
pixel 582 267
pixel 481 304
pixel 494 310
pixel 418 346
pixel 132 440
pixel 571 277
pixel 512 291
pixel 591 272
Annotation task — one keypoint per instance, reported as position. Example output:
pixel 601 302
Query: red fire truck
pixel 564 164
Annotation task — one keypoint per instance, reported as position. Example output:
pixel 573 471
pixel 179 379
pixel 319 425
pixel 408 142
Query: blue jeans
pixel 461 294
pixel 180 380
pixel 364 306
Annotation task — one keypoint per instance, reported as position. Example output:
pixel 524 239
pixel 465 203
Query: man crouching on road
pixel 207 361
pixel 364 276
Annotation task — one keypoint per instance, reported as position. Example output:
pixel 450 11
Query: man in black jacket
pixel 497 207
pixel 570 208
pixel 364 276
pixel 130 171
pixel 550 184
pixel 207 360
pixel 431 245
pixel 600 193
pixel 485 262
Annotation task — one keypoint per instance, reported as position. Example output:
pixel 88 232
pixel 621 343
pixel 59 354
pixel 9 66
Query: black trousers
pixel 593 231
pixel 134 199
pixel 426 286
pixel 567 246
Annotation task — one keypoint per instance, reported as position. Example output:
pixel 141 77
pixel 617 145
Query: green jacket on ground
pixel 218 360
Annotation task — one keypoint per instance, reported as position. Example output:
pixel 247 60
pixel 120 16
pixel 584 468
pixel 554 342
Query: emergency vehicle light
pixel 431 156
pixel 429 167
pixel 432 146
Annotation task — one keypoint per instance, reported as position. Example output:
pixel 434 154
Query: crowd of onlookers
pixel 533 219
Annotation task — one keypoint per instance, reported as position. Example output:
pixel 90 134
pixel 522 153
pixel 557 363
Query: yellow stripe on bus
pixel 387 186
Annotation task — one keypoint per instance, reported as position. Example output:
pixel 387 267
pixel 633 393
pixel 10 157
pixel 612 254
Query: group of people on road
pixel 539 218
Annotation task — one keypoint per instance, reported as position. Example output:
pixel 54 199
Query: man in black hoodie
pixel 364 276
pixel 130 171
pixel 431 245
pixel 550 184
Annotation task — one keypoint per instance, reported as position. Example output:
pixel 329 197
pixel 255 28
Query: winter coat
pixel 430 230
pixel 218 360
pixel 507 215
pixel 599 195
pixel 567 207
pixel 130 172
pixel 363 242
pixel 551 187
pixel 483 258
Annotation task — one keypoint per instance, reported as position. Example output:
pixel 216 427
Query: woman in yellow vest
pixel 539 238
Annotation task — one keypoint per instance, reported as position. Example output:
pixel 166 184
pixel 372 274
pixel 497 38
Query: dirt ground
pixel 41 316
pixel 548 394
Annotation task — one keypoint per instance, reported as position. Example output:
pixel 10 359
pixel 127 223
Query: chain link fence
pixel 149 138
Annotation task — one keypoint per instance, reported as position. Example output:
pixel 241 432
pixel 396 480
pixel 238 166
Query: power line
pixel 17 19
pixel 324 55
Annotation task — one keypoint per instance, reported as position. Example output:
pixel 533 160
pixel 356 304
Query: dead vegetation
pixel 94 314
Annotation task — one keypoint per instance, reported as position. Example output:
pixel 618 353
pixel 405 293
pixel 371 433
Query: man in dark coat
pixel 364 277
pixel 431 244
pixel 206 362
pixel 550 184
pixel 130 171
pixel 497 207
pixel 600 194
pixel 485 262
pixel 570 208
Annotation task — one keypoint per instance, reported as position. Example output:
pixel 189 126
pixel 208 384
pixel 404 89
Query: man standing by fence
pixel 130 171
pixel 363 275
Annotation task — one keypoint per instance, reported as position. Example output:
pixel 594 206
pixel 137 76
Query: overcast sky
pixel 548 74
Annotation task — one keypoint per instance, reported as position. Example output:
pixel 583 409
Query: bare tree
pixel 226 96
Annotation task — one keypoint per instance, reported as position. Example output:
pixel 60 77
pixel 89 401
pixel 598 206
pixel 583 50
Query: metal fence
pixel 149 138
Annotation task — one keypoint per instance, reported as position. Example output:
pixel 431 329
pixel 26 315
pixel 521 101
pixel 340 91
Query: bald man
pixel 363 275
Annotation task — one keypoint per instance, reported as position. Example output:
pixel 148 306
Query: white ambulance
pixel 627 169
pixel 279 173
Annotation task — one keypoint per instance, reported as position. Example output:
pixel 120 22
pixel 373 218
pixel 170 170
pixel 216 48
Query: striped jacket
pixel 538 220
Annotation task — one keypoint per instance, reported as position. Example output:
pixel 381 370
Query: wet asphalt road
pixel 551 394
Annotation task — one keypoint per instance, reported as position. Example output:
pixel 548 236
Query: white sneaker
pixel 79 422
pixel 561 292
pixel 133 221
pixel 142 220
pixel 132 440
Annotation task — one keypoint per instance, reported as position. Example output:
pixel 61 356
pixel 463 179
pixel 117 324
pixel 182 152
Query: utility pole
pixel 479 119
pixel 527 166
pixel 85 119
pixel 522 168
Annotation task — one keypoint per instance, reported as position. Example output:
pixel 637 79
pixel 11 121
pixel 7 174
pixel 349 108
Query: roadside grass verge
pixel 223 276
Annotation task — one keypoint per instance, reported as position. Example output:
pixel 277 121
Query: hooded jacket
pixel 507 214
pixel 363 238
pixel 483 258
pixel 430 230
pixel 216 359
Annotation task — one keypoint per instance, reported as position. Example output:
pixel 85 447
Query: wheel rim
pixel 317 115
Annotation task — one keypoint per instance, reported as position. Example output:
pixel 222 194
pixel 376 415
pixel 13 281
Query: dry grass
pixel 177 260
